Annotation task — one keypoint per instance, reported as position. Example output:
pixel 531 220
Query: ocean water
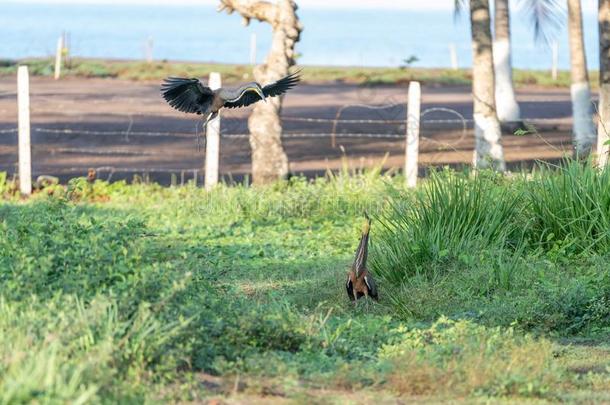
pixel 199 33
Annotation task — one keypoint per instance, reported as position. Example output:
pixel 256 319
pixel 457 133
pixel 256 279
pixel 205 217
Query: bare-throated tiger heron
pixel 191 96
pixel 360 282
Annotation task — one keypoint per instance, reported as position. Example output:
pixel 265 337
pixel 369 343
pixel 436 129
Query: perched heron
pixel 360 283
pixel 191 96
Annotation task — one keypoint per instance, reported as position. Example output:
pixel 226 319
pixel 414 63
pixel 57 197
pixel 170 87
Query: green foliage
pixel 3 182
pixel 63 350
pixel 529 252
pixel 452 214
pixel 160 280
pixel 570 208
pixel 137 70
pixel 52 247
pixel 116 293
pixel 464 358
pixel 8 188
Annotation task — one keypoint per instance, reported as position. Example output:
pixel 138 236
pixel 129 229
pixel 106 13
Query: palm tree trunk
pixel 506 103
pixel 603 129
pixel 269 161
pixel 488 147
pixel 583 127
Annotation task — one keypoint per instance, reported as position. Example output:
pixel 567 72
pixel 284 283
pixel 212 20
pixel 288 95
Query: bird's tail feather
pixel 363 247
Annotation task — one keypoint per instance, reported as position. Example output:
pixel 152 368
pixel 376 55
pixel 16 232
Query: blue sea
pixel 198 33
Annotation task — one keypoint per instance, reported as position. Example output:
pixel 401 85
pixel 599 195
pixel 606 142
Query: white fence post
pixel 453 56
pixel 58 57
pixel 253 49
pixel 555 51
pixel 148 50
pixel 25 152
pixel 603 126
pixel 412 146
pixel 212 148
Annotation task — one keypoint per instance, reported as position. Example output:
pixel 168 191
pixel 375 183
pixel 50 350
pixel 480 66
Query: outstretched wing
pixel 246 94
pixel 187 95
pixel 242 96
pixel 282 85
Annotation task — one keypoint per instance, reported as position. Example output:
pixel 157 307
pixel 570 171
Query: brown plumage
pixel 360 282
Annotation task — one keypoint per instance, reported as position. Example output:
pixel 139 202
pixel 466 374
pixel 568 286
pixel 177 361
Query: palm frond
pixel 458 6
pixel 546 16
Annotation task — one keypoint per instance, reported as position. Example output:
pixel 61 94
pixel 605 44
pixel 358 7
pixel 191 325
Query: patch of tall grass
pixel 451 215
pixel 570 209
pixel 528 250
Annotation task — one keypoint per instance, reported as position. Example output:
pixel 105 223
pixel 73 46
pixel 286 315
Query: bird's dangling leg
pixel 209 118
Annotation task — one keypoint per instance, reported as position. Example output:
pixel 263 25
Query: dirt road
pixel 125 128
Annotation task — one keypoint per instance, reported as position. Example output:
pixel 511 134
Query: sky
pixel 402 4
pixel 588 5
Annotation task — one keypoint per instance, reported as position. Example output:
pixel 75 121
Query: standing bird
pixel 360 283
pixel 191 96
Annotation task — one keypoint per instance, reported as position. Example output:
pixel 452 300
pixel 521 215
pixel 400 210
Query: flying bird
pixel 191 96
pixel 360 282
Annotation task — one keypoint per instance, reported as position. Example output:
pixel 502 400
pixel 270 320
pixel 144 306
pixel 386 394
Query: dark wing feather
pixel 350 288
pixel 282 85
pixel 187 95
pixel 370 283
pixel 245 95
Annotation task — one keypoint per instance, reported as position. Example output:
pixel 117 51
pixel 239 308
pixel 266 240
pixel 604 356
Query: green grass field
pixel 134 70
pixel 493 289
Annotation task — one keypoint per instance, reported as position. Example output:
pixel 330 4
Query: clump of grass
pixel 570 208
pixel 487 248
pixel 64 350
pixel 463 358
pixel 451 214
pixel 8 187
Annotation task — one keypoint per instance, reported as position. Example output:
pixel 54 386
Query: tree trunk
pixel 488 147
pixel 603 129
pixel 269 161
pixel 583 127
pixel 506 103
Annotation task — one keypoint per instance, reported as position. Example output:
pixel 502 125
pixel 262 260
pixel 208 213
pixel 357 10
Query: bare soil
pixel 153 140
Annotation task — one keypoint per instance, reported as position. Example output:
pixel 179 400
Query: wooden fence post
pixel 25 152
pixel 58 57
pixel 412 144
pixel 212 148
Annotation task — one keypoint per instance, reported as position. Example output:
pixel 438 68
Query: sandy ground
pixel 152 138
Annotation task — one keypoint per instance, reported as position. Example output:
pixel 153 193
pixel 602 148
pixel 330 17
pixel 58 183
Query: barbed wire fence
pixel 387 121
